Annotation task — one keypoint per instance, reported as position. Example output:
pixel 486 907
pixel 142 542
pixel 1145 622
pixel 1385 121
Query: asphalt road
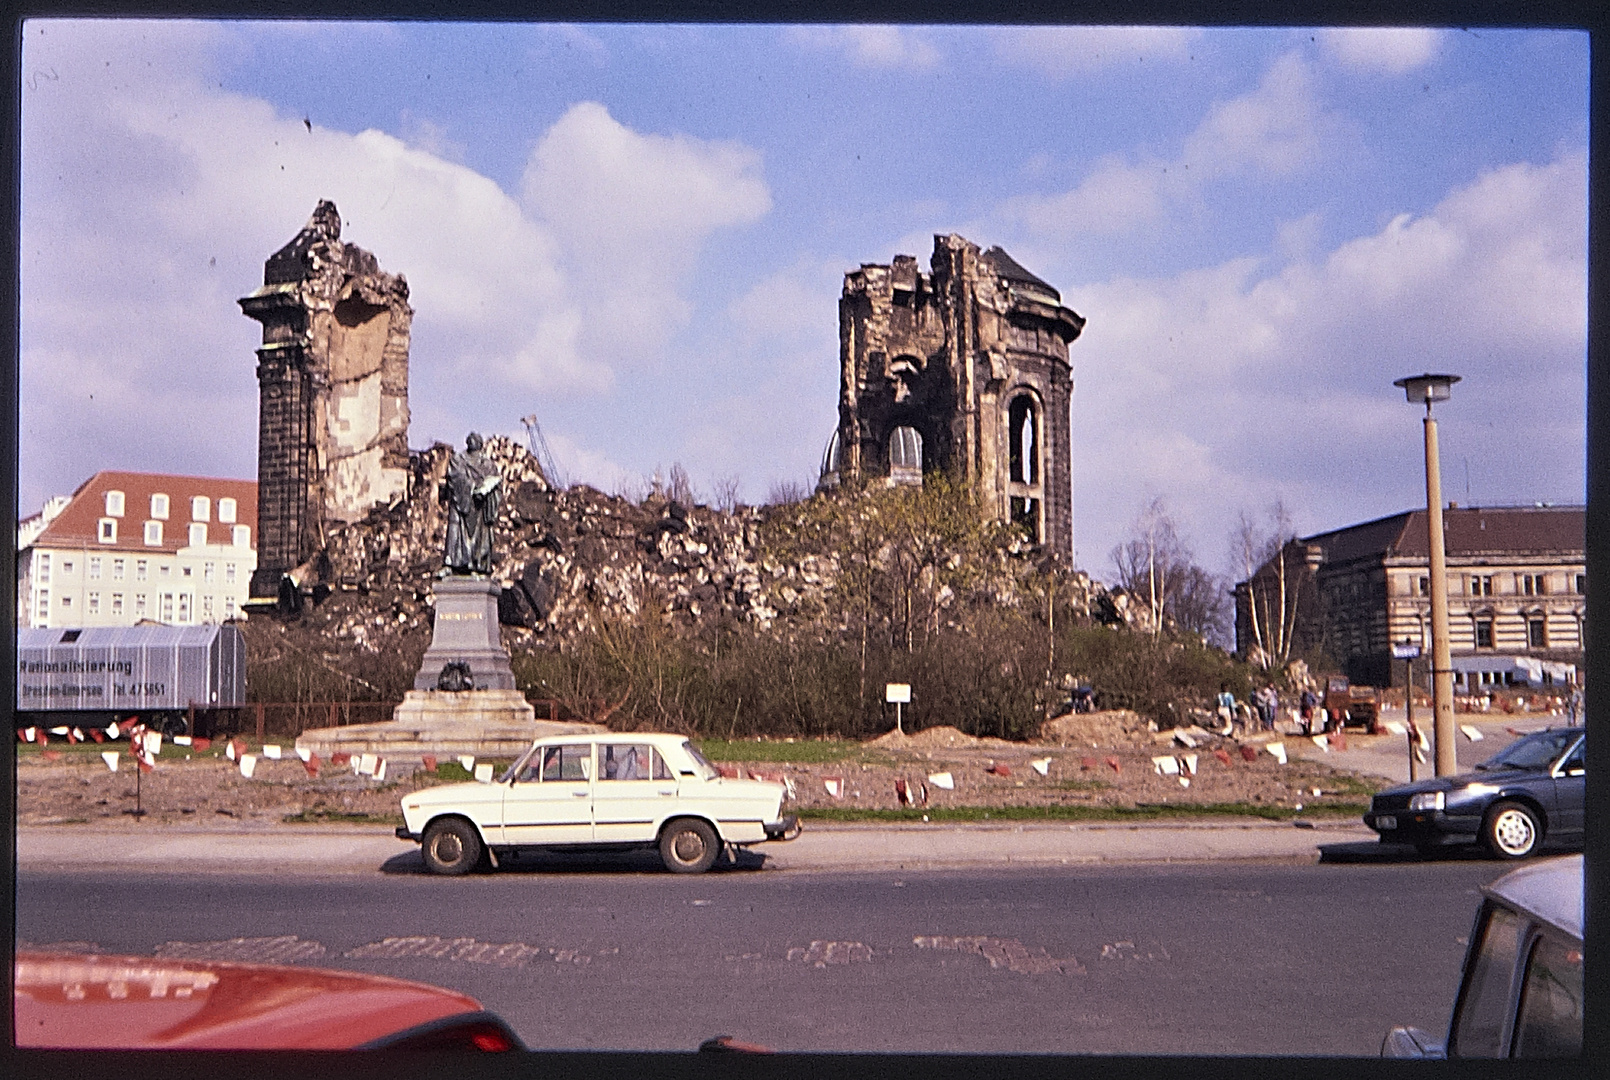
pixel 1203 958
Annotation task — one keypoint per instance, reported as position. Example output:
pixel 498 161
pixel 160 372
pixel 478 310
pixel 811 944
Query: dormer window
pixel 198 534
pixel 200 508
pixel 114 504
pixel 106 530
pixel 226 510
pixel 159 506
pixel 153 534
pixel 241 536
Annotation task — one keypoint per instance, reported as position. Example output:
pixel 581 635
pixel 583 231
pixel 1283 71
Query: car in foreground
pixel 76 1001
pixel 1520 994
pixel 1534 789
pixel 597 792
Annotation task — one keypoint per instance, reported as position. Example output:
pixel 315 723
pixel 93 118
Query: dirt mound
pixel 1108 728
pixel 942 736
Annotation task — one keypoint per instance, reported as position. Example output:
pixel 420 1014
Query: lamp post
pixel 1432 388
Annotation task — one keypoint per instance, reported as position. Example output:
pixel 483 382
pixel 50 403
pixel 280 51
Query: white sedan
pixel 603 791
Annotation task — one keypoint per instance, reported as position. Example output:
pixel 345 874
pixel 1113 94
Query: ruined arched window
pixel 830 463
pixel 905 456
pixel 1023 433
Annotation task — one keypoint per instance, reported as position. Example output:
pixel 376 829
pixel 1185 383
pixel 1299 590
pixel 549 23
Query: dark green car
pixel 1532 790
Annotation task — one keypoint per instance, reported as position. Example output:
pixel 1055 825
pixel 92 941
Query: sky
pixel 640 233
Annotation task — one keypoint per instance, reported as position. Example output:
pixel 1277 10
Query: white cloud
pixel 1276 129
pixel 1234 385
pixel 1061 51
pixel 150 198
pixel 1391 50
pixel 871 46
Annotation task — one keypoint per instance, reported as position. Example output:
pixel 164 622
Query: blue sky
pixel 639 233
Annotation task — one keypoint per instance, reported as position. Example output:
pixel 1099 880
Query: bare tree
pixel 1201 604
pixel 1272 567
pixel 786 493
pixel 1152 561
pixel 726 492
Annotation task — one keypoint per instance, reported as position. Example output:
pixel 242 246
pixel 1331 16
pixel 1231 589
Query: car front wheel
pixel 451 846
pixel 689 846
pixel 1512 831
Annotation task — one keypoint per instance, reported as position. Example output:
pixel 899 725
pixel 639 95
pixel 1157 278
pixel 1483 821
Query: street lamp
pixel 1432 388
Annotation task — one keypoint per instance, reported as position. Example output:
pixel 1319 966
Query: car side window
pixel 662 771
pixel 624 761
pixel 1577 761
pixel 1482 1013
pixel 1549 1021
pixel 566 762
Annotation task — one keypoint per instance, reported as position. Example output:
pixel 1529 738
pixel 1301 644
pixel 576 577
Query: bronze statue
pixel 472 493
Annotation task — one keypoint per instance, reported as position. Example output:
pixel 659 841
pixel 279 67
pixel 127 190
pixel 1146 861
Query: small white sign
pixel 271 751
pixel 304 753
pixel 483 772
pixel 1190 763
pixel 834 786
pixel 182 740
pixel 380 770
pixel 468 761
pixel 367 764
pixel 110 757
pixel 1041 765
pixel 1472 732
pixel 897 692
pixel 248 765
pixel 1278 750
pixel 1166 765
pixel 1397 727
pixel 153 743
pixel 1323 742
pixel 942 780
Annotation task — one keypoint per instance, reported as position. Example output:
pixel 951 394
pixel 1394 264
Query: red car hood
pixel 71 1001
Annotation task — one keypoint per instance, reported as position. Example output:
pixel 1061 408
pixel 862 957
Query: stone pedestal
pixel 467 631
pixel 493 720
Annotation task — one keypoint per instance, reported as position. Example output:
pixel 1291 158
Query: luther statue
pixel 472 492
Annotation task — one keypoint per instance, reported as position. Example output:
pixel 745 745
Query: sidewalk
pixel 337 850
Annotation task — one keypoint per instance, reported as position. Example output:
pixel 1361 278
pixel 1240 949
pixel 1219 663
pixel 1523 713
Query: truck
pixel 96 676
pixel 1358 704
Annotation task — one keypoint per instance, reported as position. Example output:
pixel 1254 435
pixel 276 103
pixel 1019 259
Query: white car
pixel 599 791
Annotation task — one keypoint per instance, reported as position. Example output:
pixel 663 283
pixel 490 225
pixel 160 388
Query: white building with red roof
pixel 131 547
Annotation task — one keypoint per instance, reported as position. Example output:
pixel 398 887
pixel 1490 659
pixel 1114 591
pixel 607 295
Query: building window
pixel 167 607
pixel 159 506
pixel 106 533
pixel 229 607
pixel 114 504
pixel 117 603
pixel 164 570
pixel 95 567
pixel 44 566
pixel 198 534
pixel 117 569
pixel 1537 633
pixel 153 534
pixel 139 569
pixel 139 604
pixel 206 608
pixel 44 605
pixel 67 566
pixel 1533 585
pixel 241 536
pixel 1425 586
pixel 1023 451
pixel 1481 586
pixel 226 511
pixel 229 572
pixel 905 456
pixel 184 607
pixel 67 601
pixel 208 573
pixel 1582 584
pixel 186 570
pixel 200 508
pixel 1484 633
pixel 94 603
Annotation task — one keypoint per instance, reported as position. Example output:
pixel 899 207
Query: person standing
pixel 1226 708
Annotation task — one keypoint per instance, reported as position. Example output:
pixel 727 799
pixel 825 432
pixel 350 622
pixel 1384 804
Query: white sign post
pixel 900 694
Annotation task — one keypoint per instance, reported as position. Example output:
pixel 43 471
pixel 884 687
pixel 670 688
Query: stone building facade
pixel 1517 589
pixel 333 394
pixel 962 368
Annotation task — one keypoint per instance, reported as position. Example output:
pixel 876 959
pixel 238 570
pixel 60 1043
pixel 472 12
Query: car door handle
pixel 668 791
pixel 579 794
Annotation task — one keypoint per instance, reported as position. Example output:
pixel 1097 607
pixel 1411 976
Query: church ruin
pixel 333 384
pixel 964 367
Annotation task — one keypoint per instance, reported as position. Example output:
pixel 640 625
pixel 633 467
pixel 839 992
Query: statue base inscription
pixel 466 632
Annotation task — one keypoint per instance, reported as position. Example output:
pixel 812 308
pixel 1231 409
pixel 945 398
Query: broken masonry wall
pixel 333 393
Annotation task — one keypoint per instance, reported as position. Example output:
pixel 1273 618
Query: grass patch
pixel 452 772
pixel 805 751
pixel 325 816
pixel 1081 785
pixel 1143 812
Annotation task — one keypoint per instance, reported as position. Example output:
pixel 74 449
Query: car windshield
pixel 513 770
pixel 699 759
pixel 1531 752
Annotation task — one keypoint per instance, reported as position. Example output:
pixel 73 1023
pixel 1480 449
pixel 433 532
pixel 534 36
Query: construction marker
pixel 110 757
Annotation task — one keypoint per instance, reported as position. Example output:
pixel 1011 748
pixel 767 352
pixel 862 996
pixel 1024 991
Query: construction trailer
pixel 99 675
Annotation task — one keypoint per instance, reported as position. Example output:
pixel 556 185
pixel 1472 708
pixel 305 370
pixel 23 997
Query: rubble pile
pixel 570 559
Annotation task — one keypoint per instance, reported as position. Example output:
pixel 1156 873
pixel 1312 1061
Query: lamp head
pixel 1427 388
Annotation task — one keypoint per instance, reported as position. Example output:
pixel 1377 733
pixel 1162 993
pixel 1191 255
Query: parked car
pixel 1520 994
pixel 1532 790
pixel 75 1001
pixel 598 792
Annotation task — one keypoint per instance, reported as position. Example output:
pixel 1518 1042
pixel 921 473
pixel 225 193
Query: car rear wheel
pixel 451 846
pixel 689 846
pixel 1512 831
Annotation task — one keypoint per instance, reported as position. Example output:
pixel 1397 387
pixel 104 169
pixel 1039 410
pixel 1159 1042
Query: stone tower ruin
pixel 966 368
pixel 332 374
